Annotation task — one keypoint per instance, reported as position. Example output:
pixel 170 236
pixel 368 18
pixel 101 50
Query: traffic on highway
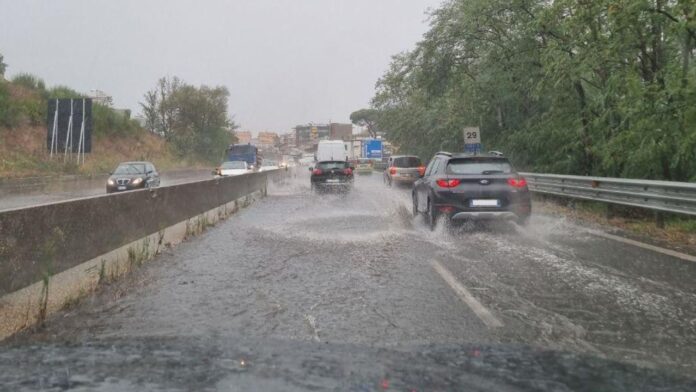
pixel 355 281
pixel 348 195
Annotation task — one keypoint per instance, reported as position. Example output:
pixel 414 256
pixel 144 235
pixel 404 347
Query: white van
pixel 332 150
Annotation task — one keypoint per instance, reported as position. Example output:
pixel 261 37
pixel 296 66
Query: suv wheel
pixel 523 221
pixel 431 218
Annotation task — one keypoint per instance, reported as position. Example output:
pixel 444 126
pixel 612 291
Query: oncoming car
pixel 133 175
pixel 232 168
pixel 471 187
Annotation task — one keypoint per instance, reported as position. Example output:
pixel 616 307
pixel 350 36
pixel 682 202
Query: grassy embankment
pixel 116 137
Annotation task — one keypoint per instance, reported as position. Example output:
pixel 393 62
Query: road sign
pixel 472 148
pixel 472 139
pixel 472 135
pixel 372 148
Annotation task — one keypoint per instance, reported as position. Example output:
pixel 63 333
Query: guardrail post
pixel 659 220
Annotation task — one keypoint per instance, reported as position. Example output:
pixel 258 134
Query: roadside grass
pixel 679 232
pixel 23 153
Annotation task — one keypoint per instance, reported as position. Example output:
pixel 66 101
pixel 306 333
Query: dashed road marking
pixel 483 314
pixel 643 245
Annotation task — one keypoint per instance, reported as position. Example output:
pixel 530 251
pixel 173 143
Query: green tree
pixel 600 87
pixel 193 119
pixel 3 66
pixel 366 118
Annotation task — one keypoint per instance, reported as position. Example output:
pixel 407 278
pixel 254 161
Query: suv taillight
pixel 348 171
pixel 444 183
pixel 316 172
pixel 517 182
pixel 392 170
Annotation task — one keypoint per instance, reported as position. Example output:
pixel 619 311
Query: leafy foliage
pixel 604 87
pixel 193 119
pixel 366 118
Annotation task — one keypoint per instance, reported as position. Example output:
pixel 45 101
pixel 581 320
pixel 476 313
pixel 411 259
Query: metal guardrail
pixel 664 196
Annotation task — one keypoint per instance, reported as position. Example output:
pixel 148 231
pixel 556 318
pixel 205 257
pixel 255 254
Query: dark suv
pixel 331 175
pixel 471 187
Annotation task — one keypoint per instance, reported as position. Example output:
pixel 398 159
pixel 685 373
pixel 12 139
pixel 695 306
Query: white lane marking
pixel 313 326
pixel 639 244
pixel 483 314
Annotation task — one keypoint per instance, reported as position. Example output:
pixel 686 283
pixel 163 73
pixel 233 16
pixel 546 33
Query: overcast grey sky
pixel 285 62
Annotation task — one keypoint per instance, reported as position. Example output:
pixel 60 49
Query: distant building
pixel 268 138
pixel 341 131
pixel 243 137
pixel 307 136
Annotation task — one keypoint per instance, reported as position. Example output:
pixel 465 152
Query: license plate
pixel 122 188
pixel 332 181
pixel 485 203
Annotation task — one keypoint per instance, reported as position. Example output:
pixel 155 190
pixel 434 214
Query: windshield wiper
pixel 492 172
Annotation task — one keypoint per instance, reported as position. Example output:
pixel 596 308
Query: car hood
pixel 197 363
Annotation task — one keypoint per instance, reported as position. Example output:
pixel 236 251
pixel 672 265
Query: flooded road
pixel 329 276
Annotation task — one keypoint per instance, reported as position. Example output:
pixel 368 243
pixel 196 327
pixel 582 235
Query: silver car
pixel 403 169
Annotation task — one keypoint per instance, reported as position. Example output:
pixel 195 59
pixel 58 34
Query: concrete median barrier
pixel 41 247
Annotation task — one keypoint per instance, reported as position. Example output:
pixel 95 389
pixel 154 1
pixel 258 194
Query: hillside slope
pixel 23 153
pixel 116 136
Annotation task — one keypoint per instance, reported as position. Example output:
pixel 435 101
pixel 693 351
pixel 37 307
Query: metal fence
pixel 663 196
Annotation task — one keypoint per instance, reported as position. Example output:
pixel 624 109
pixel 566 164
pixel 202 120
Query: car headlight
pixel 137 181
pixel 110 181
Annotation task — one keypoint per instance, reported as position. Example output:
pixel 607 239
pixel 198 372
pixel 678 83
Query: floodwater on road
pixel 307 269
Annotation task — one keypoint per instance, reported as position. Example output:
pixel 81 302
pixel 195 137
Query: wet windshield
pixel 130 169
pixel 348 195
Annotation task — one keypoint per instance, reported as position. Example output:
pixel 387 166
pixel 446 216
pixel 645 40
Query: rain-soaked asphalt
pixel 345 284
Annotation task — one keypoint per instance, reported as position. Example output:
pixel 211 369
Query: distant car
pixel 403 169
pixel 269 165
pixel 232 168
pixel 331 176
pixel 133 175
pixel 363 166
pixel 471 187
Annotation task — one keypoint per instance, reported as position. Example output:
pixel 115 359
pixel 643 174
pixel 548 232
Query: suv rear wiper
pixel 492 172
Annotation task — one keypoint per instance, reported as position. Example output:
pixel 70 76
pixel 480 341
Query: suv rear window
pixel 328 165
pixel 407 162
pixel 479 166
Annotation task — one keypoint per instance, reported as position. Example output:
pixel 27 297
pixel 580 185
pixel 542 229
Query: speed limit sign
pixel 472 135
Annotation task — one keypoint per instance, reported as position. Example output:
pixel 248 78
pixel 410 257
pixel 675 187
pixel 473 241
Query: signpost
pixel 472 140
pixel 372 149
pixel 69 127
